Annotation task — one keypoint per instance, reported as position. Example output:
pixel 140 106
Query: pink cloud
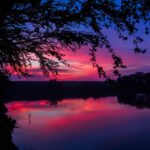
pixel 81 67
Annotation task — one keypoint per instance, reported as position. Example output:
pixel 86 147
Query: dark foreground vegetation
pixel 7 125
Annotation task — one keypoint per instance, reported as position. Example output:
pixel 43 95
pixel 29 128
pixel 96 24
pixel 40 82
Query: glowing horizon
pixel 81 68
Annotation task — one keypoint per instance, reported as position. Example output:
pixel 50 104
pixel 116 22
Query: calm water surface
pixel 78 124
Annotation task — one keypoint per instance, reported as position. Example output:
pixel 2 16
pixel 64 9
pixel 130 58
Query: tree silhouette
pixel 7 125
pixel 39 30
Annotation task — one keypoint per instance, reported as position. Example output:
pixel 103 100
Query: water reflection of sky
pixel 72 124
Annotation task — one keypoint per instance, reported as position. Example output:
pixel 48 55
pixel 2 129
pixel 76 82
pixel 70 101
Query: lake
pixel 80 124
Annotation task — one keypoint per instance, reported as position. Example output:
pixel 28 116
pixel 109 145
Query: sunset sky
pixel 81 68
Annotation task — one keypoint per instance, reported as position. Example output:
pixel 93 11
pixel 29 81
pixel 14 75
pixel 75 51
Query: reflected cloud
pixel 72 120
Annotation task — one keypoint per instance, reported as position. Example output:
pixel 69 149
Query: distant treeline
pixel 139 82
pixel 57 90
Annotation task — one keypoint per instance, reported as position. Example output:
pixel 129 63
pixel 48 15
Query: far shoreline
pixel 34 90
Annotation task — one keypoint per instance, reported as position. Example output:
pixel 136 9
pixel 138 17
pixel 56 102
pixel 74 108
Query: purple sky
pixel 81 68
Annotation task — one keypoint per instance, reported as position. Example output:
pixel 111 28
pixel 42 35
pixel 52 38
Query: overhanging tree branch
pixel 27 26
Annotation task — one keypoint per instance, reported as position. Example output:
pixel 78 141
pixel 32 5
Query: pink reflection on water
pixel 41 122
pixel 67 112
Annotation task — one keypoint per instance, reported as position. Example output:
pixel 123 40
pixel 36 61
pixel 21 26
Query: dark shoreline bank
pixel 57 90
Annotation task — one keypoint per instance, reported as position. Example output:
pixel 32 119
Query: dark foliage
pixel 138 82
pixel 7 126
pixel 42 28
pixel 3 79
